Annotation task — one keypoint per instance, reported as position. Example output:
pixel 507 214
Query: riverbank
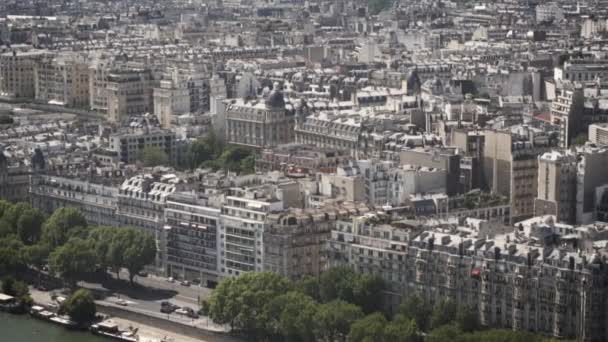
pixel 151 328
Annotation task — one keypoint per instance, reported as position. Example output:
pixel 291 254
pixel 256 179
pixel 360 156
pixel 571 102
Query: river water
pixel 23 328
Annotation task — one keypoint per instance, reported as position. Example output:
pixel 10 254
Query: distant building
pixel 140 133
pixel 17 73
pixel 63 80
pixel 259 123
pixel 557 186
pixel 598 134
pixel 567 112
pixel 129 92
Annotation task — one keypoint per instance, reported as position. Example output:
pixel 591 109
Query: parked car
pixel 122 302
pixel 188 312
pixel 170 280
pixel 185 283
pixel 167 307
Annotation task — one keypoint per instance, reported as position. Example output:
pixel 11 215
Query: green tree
pixel 580 139
pixel 232 157
pixel 11 217
pixel 63 224
pixel 29 226
pixel 497 335
pixel 444 313
pixel 467 319
pixel 402 329
pixel 11 256
pixel 415 308
pixel 242 300
pixel 7 285
pixel 136 249
pixel 308 286
pixel 334 319
pixel 204 149
pixel 367 292
pixel 449 332
pixel 102 239
pixel 248 165
pixel 294 313
pixel 80 306
pixel 371 328
pixel 4 206
pixel 37 256
pixel 361 289
pixel 337 283
pixel 73 260
pixel 17 289
pixel 153 156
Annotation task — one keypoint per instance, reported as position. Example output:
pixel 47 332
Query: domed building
pixel 260 123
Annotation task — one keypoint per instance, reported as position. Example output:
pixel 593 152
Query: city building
pixel 557 186
pixel 512 281
pixel 63 80
pixel 17 77
pixel 261 123
pixel 140 133
pixel 129 92
pixel 294 241
pixel 191 239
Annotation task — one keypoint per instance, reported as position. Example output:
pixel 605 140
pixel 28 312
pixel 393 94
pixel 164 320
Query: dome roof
pixel 275 99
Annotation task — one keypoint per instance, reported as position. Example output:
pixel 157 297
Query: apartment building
pixel 244 219
pixel 512 281
pixel 259 123
pixel 598 134
pixel 96 201
pixel 510 168
pixel 557 186
pixel 141 203
pixel 14 179
pixel 327 130
pixel 182 92
pixel 446 159
pixel 98 81
pixel 140 133
pixel 129 92
pixel 191 239
pixel 17 73
pixel 294 241
pixel 63 80
pixel 590 175
pixel 387 183
pixel 567 112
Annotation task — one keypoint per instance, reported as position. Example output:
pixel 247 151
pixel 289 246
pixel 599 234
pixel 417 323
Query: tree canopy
pixel 360 289
pixel 29 226
pixel 334 319
pixel 80 306
pixel 63 224
pixel 73 260
pixel 369 329
pixel 153 156
pixel 241 301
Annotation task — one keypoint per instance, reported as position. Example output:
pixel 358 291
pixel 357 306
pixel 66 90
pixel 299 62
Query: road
pixel 189 294
pixel 152 308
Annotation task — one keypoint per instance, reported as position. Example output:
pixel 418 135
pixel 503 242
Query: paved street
pixel 152 308
pixel 189 294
